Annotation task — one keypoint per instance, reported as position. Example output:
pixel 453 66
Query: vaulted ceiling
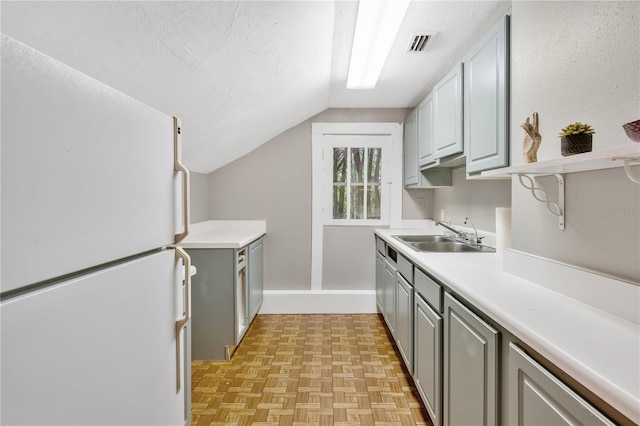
pixel 239 73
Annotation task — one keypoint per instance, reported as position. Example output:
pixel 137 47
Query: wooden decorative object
pixel 532 139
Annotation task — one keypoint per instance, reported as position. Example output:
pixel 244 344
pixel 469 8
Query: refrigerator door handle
pixel 186 185
pixel 181 254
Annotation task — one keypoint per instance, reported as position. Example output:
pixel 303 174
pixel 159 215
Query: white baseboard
pixel 319 302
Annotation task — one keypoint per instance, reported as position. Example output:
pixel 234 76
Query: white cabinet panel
pixel 470 367
pixel 536 397
pixel 96 350
pixel 486 94
pixel 427 372
pixel 81 163
pixel 447 114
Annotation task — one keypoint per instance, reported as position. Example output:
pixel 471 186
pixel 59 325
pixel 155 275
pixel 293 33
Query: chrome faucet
pixel 475 231
pixel 460 234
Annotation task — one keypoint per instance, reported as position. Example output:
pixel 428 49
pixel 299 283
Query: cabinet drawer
pixel 537 397
pixel 380 245
pixel 429 289
pixel 405 268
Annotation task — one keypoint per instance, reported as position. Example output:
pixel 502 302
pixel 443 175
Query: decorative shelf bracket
pixel 628 162
pixel 555 209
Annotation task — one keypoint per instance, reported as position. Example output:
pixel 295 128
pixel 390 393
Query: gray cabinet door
pixel 536 397
pixel 410 147
pixel 256 276
pixel 447 114
pixel 390 296
pixel 486 94
pixel 470 367
pixel 404 321
pixel 380 280
pixel 213 307
pixel 427 367
pixel 425 131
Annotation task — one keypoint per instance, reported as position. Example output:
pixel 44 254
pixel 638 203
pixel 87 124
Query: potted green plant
pixel 576 138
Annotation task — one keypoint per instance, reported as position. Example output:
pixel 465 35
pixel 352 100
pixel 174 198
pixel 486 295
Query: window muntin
pixel 356 185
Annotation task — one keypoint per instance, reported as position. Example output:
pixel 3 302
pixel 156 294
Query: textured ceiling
pixel 239 73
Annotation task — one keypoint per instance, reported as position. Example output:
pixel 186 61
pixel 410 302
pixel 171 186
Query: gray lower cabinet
pixel 226 294
pixel 427 366
pixel 404 321
pixel 453 356
pixel 471 348
pixel 380 281
pixel 256 276
pixel 537 397
pixel 389 301
pixel 212 302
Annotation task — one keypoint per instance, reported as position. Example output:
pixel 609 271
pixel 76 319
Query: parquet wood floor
pixel 304 370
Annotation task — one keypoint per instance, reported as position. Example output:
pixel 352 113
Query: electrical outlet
pixel 420 203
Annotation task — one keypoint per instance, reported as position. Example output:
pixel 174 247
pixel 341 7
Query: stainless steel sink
pixel 441 244
pixel 423 238
pixel 444 247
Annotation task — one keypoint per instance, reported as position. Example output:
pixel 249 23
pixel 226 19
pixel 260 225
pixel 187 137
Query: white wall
pixel 199 197
pixel 274 183
pixel 578 61
pixel 476 199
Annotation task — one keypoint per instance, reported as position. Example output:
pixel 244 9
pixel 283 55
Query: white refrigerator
pixel 93 303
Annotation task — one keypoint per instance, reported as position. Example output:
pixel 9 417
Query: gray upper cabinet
pixel 425 131
pixel 536 397
pixel 411 149
pixel 471 348
pixel 486 100
pixel 418 131
pixel 447 114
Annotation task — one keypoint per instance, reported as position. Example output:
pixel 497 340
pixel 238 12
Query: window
pixel 354 192
pixel 356 183
pixel 370 152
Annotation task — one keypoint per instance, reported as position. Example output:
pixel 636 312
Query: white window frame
pixel 320 137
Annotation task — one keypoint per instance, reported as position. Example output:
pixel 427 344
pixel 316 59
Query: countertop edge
pixel 224 234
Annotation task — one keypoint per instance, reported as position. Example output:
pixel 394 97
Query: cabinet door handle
pixel 186 185
pixel 181 254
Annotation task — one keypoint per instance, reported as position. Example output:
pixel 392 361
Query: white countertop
pixel 597 348
pixel 224 233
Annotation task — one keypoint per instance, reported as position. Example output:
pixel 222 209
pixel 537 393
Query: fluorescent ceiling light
pixel 376 28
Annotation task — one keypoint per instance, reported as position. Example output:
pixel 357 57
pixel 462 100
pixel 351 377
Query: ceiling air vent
pixel 419 42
